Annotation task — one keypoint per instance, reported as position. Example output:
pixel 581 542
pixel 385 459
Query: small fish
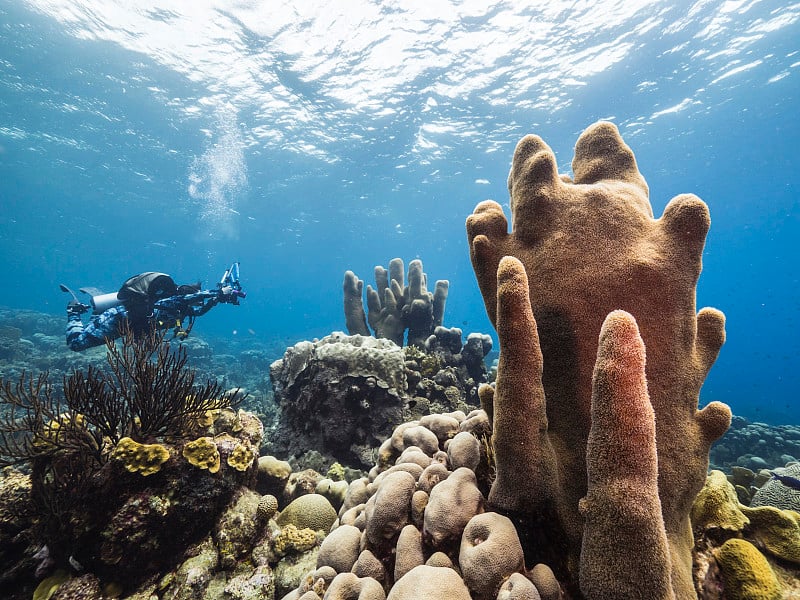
pixel 787 480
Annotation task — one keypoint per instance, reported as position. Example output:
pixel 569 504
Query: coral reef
pixel 393 307
pixel 590 246
pixel 756 446
pixel 417 534
pixel 741 550
pixel 342 395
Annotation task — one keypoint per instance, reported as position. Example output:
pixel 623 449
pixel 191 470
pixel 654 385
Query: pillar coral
pixel 586 247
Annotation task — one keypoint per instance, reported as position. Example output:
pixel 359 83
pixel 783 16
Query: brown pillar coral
pixel 622 502
pixel 589 247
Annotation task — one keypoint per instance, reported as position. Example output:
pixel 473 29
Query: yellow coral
pixel 144 459
pixel 202 453
pixel 241 457
pixel 717 506
pixel 49 586
pixel 776 530
pixel 56 427
pixel 292 539
pixel 746 573
pixel 336 472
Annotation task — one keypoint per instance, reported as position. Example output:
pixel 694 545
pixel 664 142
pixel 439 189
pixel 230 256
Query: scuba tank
pixel 102 302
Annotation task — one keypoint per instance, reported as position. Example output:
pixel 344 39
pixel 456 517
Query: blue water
pixel 304 139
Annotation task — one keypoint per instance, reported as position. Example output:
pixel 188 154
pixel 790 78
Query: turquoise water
pixel 304 139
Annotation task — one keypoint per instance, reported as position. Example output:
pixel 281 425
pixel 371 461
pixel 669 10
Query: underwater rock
pixel 340 396
pixel 337 394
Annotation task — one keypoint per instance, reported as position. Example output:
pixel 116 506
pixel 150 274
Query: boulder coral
pixel 580 249
pixel 417 546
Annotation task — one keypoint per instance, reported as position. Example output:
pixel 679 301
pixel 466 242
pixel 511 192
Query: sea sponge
pixel 144 459
pixel 490 552
pixel 311 511
pixel 746 573
pixel 241 457
pixel 429 583
pixel 202 453
pixel 293 539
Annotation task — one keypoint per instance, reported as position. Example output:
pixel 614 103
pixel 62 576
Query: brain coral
pixel 778 493
pixel 311 511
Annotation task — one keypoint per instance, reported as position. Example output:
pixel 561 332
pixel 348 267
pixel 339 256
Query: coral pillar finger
pixel 354 317
pixel 524 461
pixel 624 534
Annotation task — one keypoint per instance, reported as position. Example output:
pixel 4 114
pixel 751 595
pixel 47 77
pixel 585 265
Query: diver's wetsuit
pixel 167 312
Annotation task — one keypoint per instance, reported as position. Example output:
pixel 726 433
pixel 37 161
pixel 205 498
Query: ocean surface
pixel 307 138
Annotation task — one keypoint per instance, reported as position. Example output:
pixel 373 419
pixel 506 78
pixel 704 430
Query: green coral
pixel 203 454
pixel 292 539
pixel 144 459
pixel 336 472
pixel 746 573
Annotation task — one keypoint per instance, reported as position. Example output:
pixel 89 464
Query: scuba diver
pixel 145 301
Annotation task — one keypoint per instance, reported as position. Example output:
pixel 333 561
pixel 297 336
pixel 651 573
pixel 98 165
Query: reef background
pixel 180 141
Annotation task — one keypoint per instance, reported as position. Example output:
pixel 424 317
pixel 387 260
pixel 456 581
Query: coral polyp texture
pixel 393 306
pixel 583 248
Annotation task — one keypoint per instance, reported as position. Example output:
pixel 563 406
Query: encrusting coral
pixel 591 246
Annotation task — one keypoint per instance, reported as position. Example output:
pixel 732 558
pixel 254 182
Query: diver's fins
pixel 92 291
pixel 69 291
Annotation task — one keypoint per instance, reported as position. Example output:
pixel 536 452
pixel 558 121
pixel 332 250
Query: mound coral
pixel 583 249
pixel 746 573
